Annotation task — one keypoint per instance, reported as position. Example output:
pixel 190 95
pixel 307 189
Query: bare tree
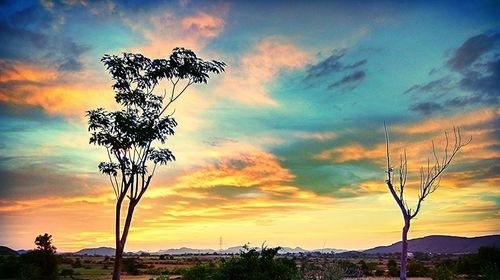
pixel 430 177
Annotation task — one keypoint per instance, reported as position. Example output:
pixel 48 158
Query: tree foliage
pixel 128 134
pixel 143 121
pixel 44 243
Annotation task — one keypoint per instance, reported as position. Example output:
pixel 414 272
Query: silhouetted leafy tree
pixel 41 263
pixel 130 134
pixel 430 177
pixel 44 242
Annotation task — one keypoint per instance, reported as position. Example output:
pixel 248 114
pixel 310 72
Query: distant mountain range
pixel 440 244
pixel 436 244
pixel 237 249
pixel 108 251
pixel 101 251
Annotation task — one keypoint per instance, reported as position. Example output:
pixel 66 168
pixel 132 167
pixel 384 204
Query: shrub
pixel 392 268
pixel 67 272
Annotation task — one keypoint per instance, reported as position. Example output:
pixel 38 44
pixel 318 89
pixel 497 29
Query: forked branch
pixel 430 175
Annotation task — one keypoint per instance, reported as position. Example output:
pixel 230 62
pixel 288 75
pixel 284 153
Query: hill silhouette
pixel 441 244
pixel 6 251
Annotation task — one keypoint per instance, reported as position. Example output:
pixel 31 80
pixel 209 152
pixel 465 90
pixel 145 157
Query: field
pixel 150 267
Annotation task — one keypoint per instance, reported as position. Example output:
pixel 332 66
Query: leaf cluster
pixel 130 133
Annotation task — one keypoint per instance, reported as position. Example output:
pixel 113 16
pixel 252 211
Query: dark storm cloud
pixel 476 66
pixel 351 79
pixel 332 65
pixel 472 49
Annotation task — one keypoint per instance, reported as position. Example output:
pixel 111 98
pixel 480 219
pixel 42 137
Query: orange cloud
pixel 249 82
pixel 316 136
pixel 55 92
pixel 439 124
pixel 477 124
pixel 203 24
pixel 22 72
pixel 352 152
pixel 165 31
pixel 245 170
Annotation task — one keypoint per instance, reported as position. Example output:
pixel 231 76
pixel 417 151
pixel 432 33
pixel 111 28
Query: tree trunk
pixel 120 244
pixel 118 251
pixel 117 269
pixel 404 249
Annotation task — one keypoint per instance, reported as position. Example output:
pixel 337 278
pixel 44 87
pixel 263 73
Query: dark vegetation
pixel 41 263
pixel 251 264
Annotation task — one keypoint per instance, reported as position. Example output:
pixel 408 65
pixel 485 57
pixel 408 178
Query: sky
pixel 286 147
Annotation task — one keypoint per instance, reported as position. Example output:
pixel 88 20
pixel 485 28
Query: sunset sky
pixel 285 147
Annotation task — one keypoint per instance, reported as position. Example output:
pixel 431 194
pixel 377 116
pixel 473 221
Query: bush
pixel 9 266
pixel 130 266
pixel 255 265
pixel 333 272
pixel 67 272
pixel 442 272
pixel 417 269
pixel 77 263
pixel 392 268
pixel 39 264
pixel 199 272
pixel 250 265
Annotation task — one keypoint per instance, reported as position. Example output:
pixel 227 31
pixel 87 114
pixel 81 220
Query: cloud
pixel 203 24
pixel 39 182
pixel 164 31
pixel 471 50
pixel 351 80
pixel 316 136
pixel 248 83
pixel 426 107
pixel 29 46
pixel 47 4
pixel 486 83
pixel 331 65
pixel 327 66
pixel 466 120
pixel 52 89
pixel 475 79
pixel 439 86
pixel 417 138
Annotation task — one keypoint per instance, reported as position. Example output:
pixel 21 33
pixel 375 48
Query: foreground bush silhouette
pixel 41 263
pixel 251 264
